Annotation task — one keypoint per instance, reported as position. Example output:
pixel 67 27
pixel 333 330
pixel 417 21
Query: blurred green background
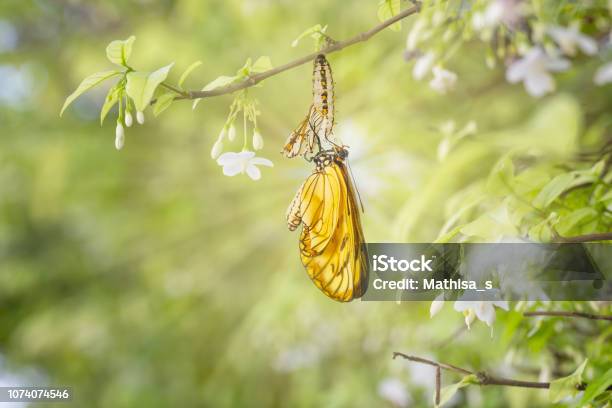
pixel 144 277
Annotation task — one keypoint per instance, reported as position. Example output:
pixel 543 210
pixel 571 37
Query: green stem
pixel 174 89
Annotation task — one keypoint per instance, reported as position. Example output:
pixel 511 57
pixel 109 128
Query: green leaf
pixel 118 52
pixel 446 393
pixel 501 177
pixel 493 225
pixel 449 235
pixel 566 386
pixel 245 71
pixel 111 99
pixel 606 197
pixel 314 32
pixel 187 72
pixel 141 85
pixel 598 168
pixel 597 387
pixel 262 64
pixel 388 9
pixel 87 84
pixel 163 102
pixel 553 190
pixel 219 82
pixel 575 218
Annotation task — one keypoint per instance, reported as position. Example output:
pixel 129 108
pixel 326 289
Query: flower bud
pixel 258 142
pixel 119 136
pixel 140 117
pixel 222 134
pixel 128 119
pixel 231 134
pixel 216 149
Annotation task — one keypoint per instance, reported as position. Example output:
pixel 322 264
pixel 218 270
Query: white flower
pixel 416 34
pixel 569 39
pixel 119 136
pixel 436 305
pixel 216 149
pixel 508 12
pixel 140 117
pixel 258 142
pixel 603 74
pixel 423 65
pixel 533 69
pixel 394 391
pixel 243 162
pixel 231 134
pixel 481 309
pixel 128 119
pixel 443 80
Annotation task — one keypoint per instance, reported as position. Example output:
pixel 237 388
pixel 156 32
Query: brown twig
pixel 568 314
pixel 482 377
pixel 336 46
pixel 600 236
pixel 438 382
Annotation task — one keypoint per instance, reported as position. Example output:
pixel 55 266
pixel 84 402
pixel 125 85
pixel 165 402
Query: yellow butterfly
pixel 331 242
pixel 316 128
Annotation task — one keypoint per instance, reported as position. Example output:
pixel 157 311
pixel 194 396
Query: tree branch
pixel 482 377
pixel 568 314
pixel 337 46
pixel 601 236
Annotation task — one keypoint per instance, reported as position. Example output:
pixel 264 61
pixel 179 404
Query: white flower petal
pixel 539 84
pixel 423 65
pixel 516 71
pixel 463 305
pixel 140 118
pixel 258 142
pixel 246 155
pixel 119 136
pixel 216 149
pixel 570 39
pixel 486 313
pixel 502 304
pixel 587 45
pixel 469 317
pixel 231 134
pixel 242 162
pixel 443 80
pixel 227 158
pixel 436 305
pixel 253 172
pixel 260 161
pixel 557 64
pixel 232 169
pixel 603 74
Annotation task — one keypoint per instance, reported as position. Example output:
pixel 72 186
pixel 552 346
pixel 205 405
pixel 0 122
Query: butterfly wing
pixel 302 139
pixel 316 206
pixel 331 239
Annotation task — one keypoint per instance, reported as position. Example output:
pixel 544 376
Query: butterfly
pixel 331 241
pixel 316 128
